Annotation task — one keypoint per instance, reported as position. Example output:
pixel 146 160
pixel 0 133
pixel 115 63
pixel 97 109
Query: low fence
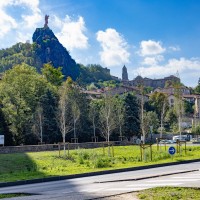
pixel 53 147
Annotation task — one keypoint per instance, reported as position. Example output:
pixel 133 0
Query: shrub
pixel 102 162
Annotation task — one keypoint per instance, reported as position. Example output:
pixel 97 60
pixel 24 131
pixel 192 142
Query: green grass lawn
pixel 170 193
pixel 23 166
pixel 3 196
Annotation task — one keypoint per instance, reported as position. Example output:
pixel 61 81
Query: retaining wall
pixel 52 147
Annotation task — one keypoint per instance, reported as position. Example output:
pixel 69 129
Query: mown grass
pixel 170 193
pixel 23 166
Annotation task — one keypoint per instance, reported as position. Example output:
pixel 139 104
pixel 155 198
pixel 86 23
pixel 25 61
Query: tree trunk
pixel 108 143
pixel 142 118
pixel 94 128
pixel 120 131
pixel 64 148
pixel 161 126
pixel 74 129
pixel 41 133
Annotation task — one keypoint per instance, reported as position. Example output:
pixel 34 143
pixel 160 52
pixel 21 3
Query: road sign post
pixel 2 140
pixel 172 151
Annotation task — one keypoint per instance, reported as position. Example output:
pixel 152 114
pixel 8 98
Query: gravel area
pixel 128 196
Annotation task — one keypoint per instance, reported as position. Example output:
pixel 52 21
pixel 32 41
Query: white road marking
pixel 190 177
pixel 68 192
pixel 119 189
pixel 185 180
pixel 153 184
pixel 92 190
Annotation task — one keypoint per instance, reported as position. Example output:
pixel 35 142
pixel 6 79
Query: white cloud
pixel 72 33
pixel 21 25
pixel 27 22
pixel 154 60
pixel 32 19
pixel 57 22
pixel 182 65
pixel 174 48
pixel 6 22
pixel 114 47
pixel 150 48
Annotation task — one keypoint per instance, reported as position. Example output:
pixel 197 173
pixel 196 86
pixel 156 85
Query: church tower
pixel 124 74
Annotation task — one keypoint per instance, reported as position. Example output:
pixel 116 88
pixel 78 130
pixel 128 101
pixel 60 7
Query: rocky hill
pixel 47 48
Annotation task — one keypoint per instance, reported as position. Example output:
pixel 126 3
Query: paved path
pixel 110 184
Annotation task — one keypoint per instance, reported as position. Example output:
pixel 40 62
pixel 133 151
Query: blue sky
pixel 153 38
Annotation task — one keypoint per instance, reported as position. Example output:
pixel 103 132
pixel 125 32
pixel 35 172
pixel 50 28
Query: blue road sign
pixel 172 150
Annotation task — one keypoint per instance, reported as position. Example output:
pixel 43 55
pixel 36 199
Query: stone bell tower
pixel 124 74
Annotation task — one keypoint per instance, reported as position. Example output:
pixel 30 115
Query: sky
pixel 152 38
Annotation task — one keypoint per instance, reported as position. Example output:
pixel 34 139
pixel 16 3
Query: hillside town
pixel 166 86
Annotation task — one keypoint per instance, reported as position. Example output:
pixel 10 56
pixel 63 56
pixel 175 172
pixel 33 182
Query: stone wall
pixel 53 147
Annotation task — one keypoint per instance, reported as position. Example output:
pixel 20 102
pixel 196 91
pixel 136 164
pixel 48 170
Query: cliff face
pixel 47 48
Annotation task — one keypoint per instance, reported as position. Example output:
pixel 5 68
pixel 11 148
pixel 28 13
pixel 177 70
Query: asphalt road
pixel 110 184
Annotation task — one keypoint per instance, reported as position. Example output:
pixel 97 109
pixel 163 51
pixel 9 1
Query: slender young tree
pixel 142 91
pixel 93 115
pixel 64 118
pixel 120 112
pixel 39 122
pixel 107 118
pixel 160 102
pixel 76 116
pixel 150 119
pixel 178 105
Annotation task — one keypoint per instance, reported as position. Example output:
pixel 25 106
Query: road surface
pixel 110 184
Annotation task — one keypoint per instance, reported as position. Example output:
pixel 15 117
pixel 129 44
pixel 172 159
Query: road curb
pixel 148 177
pixel 57 178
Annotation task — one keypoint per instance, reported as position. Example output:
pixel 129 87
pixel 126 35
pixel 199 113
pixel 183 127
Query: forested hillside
pixel 47 49
pixel 17 54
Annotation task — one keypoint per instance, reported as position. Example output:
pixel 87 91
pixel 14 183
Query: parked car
pixel 167 142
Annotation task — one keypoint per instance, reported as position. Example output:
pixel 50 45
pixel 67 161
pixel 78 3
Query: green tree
pixel 52 74
pixel 196 130
pixel 94 115
pixel 160 102
pixel 38 122
pixel 64 116
pixel 4 129
pixel 188 107
pixel 20 90
pixel 132 116
pixel 179 105
pixel 107 117
pixel 171 119
pixel 151 119
pixel 120 112
pixel 76 115
pixel 197 89
pixel 49 104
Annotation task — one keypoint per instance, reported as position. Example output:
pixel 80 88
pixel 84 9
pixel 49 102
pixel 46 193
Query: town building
pixel 171 90
pixel 148 82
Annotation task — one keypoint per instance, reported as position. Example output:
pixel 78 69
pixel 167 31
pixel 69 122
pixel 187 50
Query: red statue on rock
pixel 46 21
